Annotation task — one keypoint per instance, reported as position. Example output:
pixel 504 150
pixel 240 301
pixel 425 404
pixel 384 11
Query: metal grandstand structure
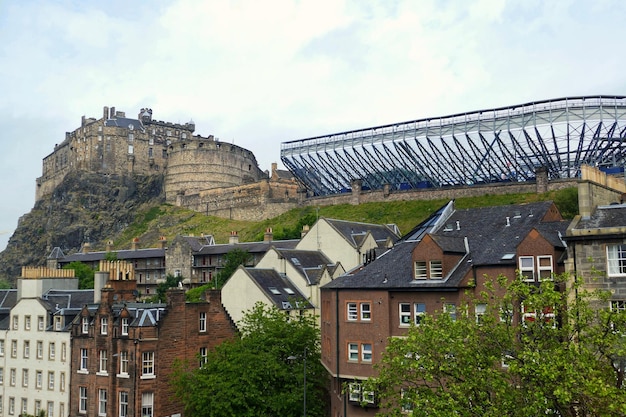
pixel 486 146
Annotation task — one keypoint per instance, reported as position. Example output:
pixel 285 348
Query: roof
pixel 123 122
pixel 354 232
pixel 250 247
pixel 278 289
pixel 8 299
pixel 66 303
pixel 613 215
pixel 488 233
pixel 310 263
pixel 120 254
pixel 56 253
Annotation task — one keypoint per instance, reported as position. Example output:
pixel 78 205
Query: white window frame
pixel 366 352
pixel 525 269
pixel 421 270
pixel 82 400
pixel 16 322
pixel 102 402
pixel 147 365
pixel 435 268
pixel 419 311
pixel 12 377
pixel 123 363
pixel 51 380
pixel 103 362
pixel 14 348
pixel 26 322
pixel 125 325
pixel 147 404
pixel 58 323
pixel 50 409
pixel 25 377
pixel 40 323
pixel 202 321
pixel 354 392
pixel 352 311
pixel 11 405
pixel 480 309
pixel 85 325
pixel 450 308
pixel 123 404
pixel 62 382
pixel 203 353
pixel 104 325
pixel 52 351
pixel 353 352
pixel 39 349
pixel 1 347
pixel 38 379
pixel 26 350
pixel 404 314
pixel 543 269
pixel 616 260
pixel 24 405
pixel 84 360
pixel 1 376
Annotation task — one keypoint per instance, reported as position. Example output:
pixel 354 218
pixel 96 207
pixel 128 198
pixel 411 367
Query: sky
pixel 259 73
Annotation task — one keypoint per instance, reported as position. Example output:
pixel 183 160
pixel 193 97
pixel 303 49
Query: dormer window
pixel 85 325
pixel 428 269
pixel 436 270
pixel 421 271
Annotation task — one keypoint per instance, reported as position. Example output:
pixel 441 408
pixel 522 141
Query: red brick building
pixel 123 352
pixel 427 272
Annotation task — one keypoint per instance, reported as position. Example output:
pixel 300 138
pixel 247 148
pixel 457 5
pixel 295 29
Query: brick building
pixel 428 272
pixel 123 352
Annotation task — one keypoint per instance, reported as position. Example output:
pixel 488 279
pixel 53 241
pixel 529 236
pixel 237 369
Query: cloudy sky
pixel 258 73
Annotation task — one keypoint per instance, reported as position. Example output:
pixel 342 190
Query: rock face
pixel 84 207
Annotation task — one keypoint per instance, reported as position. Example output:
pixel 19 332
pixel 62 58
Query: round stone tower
pixel 198 163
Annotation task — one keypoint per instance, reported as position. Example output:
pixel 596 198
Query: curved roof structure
pixel 486 146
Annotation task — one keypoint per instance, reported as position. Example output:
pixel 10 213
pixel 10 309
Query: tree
pixel 231 261
pixel 83 272
pixel 256 374
pixel 170 282
pixel 537 351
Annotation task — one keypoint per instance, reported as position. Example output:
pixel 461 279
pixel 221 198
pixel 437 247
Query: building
pixel 35 369
pixel 428 272
pixel 123 352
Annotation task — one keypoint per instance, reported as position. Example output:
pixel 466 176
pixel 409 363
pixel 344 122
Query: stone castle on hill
pixel 200 173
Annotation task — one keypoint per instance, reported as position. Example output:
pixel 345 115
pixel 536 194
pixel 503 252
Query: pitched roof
pixel 613 215
pixel 250 247
pixel 354 232
pixel 124 122
pixel 310 263
pixel 120 254
pixel 278 289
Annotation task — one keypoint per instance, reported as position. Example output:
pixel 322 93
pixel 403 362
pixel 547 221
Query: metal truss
pixel 487 146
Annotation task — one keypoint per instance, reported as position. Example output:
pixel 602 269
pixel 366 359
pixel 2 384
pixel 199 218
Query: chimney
pixel 112 113
pixel 135 244
pixel 234 238
pixel 274 169
pixel 508 221
pixel 86 247
pixel 105 113
pixel 162 242
pixel 100 279
pixel 458 225
pixel 305 230
pixel 269 236
pixel 109 246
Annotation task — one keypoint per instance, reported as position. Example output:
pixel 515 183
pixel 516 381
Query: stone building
pixel 123 351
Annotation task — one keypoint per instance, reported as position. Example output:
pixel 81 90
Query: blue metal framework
pixel 503 144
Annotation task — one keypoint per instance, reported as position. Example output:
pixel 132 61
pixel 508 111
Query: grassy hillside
pixel 169 221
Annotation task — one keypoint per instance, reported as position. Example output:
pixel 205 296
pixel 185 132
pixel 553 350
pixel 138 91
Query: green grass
pixel 167 220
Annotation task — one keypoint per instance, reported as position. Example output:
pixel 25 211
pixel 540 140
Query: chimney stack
pixel 162 242
pixel 269 236
pixel 86 247
pixel 109 246
pixel 135 244
pixel 234 238
pixel 305 230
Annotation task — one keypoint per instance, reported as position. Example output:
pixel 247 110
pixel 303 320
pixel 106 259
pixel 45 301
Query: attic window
pixel 295 261
pixel 507 256
pixel 517 214
pixel 289 291
pixel 274 290
pixel 448 228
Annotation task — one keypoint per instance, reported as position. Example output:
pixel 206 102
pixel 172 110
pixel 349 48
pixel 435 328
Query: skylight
pixel 508 256
pixel 274 290
pixel 295 261
pixel 289 291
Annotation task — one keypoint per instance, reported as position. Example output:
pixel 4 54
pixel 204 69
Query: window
pixel 24 405
pixel 527 267
pixel 479 312
pixel 366 311
pixel 104 325
pixel 130 149
pixel 147 369
pixel 420 270
pixel 450 309
pixel 62 382
pixel 102 402
pixel 14 348
pixel 352 311
pixel 103 362
pixel 58 323
pixel 50 380
pixel 50 409
pixel 124 363
pixel 26 322
pixel 1 347
pixel 366 352
pixel 40 323
pixel 1 376
pixel 39 349
pixel 38 407
pixel 353 352
pixel 26 349
pixel 147 400
pixel 82 400
pixel 83 359
pixel 358 395
pixel 616 260
pixel 405 314
pixel 436 270
pixel 38 379
pixel 51 351
pixel 123 404
pixel 24 377
pixel 203 321
pixel 125 326
pixel 545 315
pixel 11 405
pixel 63 352
pixel 12 377
pixel 16 322
pixel 420 312
pixel 85 325
pixel 544 265
pixel 203 356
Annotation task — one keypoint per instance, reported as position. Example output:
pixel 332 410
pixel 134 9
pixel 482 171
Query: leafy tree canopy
pixel 231 262
pixel 170 282
pixel 560 359
pixel 260 373
pixel 84 273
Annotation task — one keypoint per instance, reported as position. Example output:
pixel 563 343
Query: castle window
pixel 150 153
pixel 131 137
pixel 151 141
pixel 130 149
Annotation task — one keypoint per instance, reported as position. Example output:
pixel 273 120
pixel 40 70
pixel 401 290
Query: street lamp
pixel 291 358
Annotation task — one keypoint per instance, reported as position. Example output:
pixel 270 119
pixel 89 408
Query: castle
pixel 200 173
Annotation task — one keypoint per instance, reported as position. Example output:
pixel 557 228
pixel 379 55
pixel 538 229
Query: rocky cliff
pixel 84 207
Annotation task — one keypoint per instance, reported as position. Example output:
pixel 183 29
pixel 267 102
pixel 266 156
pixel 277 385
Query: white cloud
pixel 261 73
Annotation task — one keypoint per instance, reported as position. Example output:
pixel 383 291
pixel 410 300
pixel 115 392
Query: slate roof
pixel 310 263
pixel 120 254
pixel 489 236
pixel 354 232
pixel 124 122
pixel 250 247
pixel 66 303
pixel 278 288
pixel 8 299
pixel 613 215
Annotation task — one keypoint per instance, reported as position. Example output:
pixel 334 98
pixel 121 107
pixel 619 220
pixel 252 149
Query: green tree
pixel 170 282
pixel 559 360
pixel 83 272
pixel 231 262
pixel 260 373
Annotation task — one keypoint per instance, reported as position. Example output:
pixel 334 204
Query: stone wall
pixel 597 188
